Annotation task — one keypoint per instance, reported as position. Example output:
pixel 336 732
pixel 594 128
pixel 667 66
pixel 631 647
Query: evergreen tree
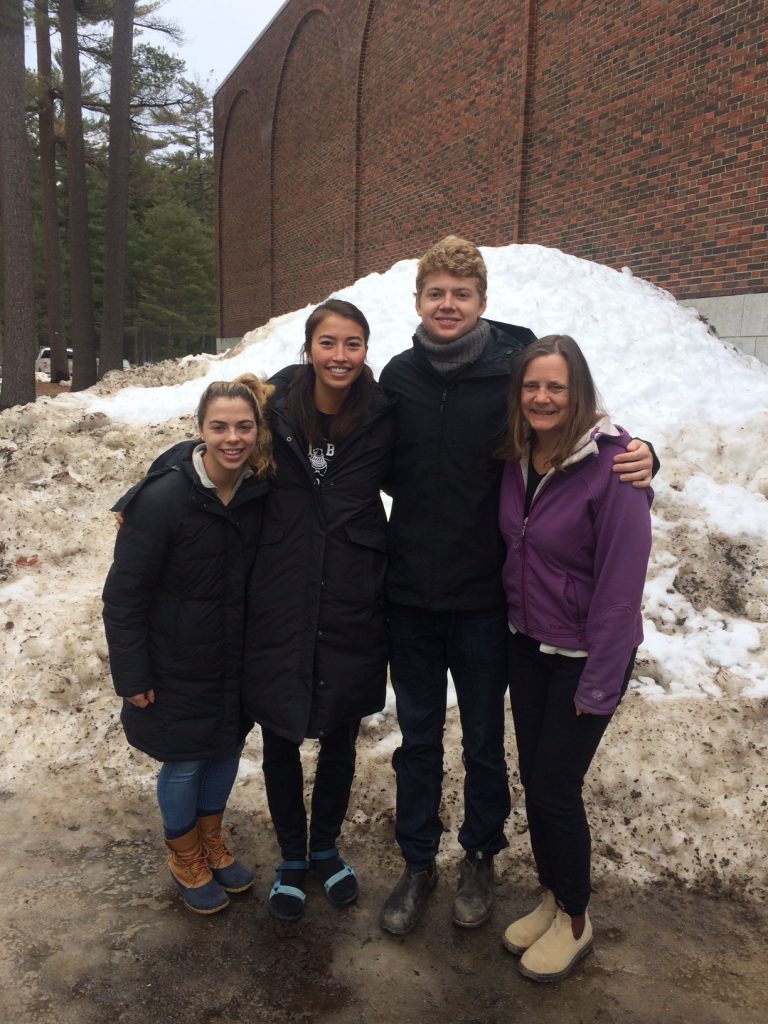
pixel 19 334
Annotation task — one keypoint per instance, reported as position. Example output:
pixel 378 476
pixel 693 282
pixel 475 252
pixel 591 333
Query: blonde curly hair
pixel 257 393
pixel 456 256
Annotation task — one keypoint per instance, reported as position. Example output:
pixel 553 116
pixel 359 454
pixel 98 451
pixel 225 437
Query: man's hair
pixel 456 256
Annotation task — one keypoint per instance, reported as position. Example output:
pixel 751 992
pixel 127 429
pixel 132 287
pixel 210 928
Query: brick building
pixel 354 133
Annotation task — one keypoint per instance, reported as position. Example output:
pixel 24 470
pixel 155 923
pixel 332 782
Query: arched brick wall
pixel 434 115
pixel 632 134
pixel 312 169
pixel 647 128
pixel 243 238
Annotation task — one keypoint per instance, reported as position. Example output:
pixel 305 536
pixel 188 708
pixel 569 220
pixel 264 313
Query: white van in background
pixel 43 361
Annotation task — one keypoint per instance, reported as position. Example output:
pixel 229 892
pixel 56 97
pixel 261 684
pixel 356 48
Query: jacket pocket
pixel 571 601
pixel 368 538
pixel 271 533
pixel 366 565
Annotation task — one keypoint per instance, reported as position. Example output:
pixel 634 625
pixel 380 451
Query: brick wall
pixel 356 132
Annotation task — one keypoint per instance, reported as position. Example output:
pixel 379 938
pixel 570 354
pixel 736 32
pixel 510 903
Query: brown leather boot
pixel 229 873
pixel 473 901
pixel 407 900
pixel 193 878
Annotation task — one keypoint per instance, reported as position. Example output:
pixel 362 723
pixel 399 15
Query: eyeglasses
pixel 530 387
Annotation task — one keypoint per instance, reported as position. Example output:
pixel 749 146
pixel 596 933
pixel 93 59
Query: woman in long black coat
pixel 316 638
pixel 174 611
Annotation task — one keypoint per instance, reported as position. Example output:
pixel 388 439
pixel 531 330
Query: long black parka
pixel 174 605
pixel 316 634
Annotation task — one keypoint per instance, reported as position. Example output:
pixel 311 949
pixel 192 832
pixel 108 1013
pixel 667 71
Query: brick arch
pixel 434 112
pixel 243 252
pixel 313 166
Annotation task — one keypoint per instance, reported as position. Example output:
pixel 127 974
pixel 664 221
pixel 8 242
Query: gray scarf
pixel 449 356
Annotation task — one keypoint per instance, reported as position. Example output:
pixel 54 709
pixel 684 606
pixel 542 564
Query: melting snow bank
pixel 679 788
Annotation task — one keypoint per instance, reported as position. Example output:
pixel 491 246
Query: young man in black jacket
pixel 447 610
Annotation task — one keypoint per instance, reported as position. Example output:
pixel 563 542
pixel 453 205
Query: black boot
pixel 474 896
pixel 407 900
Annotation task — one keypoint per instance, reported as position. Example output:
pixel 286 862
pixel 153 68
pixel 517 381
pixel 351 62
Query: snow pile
pixel 679 786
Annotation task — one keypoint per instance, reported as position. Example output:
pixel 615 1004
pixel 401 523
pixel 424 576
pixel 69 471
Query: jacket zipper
pixel 523 559
pixel 524 544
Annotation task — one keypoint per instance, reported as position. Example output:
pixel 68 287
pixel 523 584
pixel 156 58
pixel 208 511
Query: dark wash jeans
pixel 555 747
pixel 284 781
pixel 424 646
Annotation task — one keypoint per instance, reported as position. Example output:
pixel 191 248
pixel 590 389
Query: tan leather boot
pixel 229 873
pixel 557 952
pixel 193 878
pixel 526 930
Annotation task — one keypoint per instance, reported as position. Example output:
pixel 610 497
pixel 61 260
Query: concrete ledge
pixel 223 344
pixel 740 319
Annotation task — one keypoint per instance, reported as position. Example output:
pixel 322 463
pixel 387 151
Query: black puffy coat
pixel 316 634
pixel 174 606
pixel 445 549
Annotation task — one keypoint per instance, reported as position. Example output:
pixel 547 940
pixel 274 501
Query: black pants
pixel 284 782
pixel 424 647
pixel 555 747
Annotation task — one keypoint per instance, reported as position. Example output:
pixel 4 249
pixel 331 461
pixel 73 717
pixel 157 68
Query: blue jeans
pixel 424 646
pixel 188 790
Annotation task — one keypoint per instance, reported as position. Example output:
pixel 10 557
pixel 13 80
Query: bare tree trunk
pixel 117 189
pixel 83 335
pixel 20 328
pixel 50 214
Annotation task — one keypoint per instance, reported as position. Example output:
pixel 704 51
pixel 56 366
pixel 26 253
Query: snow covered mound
pixel 679 787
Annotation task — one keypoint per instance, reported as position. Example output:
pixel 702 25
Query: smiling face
pixel 544 398
pixel 337 354
pixel 229 434
pixel 449 306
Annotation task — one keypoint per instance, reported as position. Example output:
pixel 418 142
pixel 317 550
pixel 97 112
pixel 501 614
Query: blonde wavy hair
pixel 453 255
pixel 257 393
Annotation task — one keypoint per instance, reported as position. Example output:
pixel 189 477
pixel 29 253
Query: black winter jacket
pixel 445 549
pixel 316 636
pixel 174 603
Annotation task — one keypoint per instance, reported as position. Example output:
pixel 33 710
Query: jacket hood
pixel 178 458
pixel 520 335
pixel 604 430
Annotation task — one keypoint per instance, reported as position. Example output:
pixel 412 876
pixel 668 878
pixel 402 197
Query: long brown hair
pixel 584 405
pixel 300 395
pixel 256 393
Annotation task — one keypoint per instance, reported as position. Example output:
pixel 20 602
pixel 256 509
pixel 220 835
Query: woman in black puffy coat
pixel 174 609
pixel 316 638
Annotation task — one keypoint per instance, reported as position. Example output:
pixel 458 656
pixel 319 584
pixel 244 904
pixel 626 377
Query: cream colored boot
pixel 526 930
pixel 556 953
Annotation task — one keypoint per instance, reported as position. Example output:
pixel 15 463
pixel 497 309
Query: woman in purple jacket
pixel 577 553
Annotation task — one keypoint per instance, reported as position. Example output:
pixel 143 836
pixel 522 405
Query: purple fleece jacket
pixel 575 569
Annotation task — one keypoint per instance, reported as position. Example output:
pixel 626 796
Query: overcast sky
pixel 217 33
